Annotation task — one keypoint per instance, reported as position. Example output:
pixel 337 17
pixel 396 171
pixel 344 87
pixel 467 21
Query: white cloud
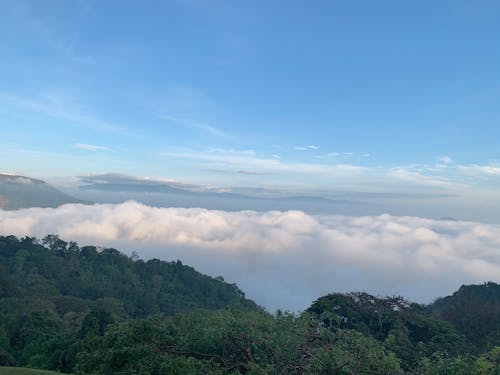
pixel 417 178
pixel 485 170
pixel 306 148
pixel 9 173
pixel 196 125
pixel 248 160
pixel 285 259
pixel 93 148
pixel 445 160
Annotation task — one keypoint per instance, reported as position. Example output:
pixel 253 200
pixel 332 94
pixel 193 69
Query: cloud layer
pixel 285 259
pixel 93 148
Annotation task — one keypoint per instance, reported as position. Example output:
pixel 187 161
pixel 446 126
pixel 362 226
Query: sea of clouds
pixel 285 259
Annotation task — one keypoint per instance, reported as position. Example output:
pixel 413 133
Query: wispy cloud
pixel 189 107
pixel 93 148
pixel 54 107
pixel 445 159
pixel 341 154
pixel 306 148
pixel 249 172
pixel 418 178
pixel 484 170
pixel 248 160
pixel 450 177
pixel 194 124
pixel 447 173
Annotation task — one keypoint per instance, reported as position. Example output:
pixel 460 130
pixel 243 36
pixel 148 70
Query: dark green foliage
pixel 6 359
pixel 474 310
pixel 234 342
pixel 88 310
pixel 71 279
pixel 54 292
pixel 402 327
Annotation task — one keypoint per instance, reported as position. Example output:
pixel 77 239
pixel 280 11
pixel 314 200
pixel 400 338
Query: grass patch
pixel 25 371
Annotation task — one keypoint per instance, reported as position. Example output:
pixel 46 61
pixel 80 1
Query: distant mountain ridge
pixel 18 192
pixel 118 188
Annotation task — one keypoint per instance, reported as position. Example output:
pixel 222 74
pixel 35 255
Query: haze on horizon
pixel 342 111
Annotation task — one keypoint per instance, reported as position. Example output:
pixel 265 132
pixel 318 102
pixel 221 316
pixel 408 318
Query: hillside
pixel 87 310
pixel 53 288
pixel 405 328
pixel 23 192
pixel 474 311
pixel 75 279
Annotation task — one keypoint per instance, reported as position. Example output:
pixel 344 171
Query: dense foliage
pixel 474 311
pixel 88 310
pixel 74 279
pixel 233 342
pixel 400 326
pixel 57 288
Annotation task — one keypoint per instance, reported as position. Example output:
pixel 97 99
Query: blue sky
pixel 380 106
pixel 383 96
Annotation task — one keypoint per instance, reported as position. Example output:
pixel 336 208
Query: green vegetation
pixel 474 311
pixel 62 278
pixel 401 327
pixel 84 310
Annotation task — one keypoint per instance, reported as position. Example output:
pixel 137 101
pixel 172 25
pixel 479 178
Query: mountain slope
pixel 474 311
pixel 77 279
pixel 89 310
pixel 117 188
pixel 466 322
pixel 400 326
pixel 23 192
pixel 54 293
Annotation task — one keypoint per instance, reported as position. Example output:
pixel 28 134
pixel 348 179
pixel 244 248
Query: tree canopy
pixel 86 310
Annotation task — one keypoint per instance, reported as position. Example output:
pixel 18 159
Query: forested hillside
pixel 73 279
pixel 474 310
pixel 402 327
pixel 88 310
pixel 50 288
